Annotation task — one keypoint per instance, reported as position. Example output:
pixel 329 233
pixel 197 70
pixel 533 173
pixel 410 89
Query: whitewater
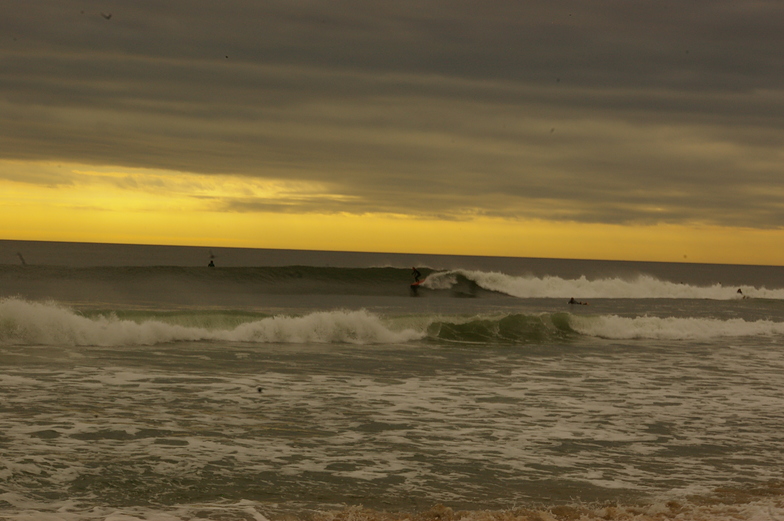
pixel 639 287
pixel 50 323
pixel 139 384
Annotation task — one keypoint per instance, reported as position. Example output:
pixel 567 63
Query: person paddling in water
pixel 572 301
pixel 416 274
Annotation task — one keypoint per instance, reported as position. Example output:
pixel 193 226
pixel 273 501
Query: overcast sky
pixel 608 112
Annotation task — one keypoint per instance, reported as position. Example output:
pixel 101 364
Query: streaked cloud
pixel 605 112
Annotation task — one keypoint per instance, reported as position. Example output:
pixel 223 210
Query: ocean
pixel 137 383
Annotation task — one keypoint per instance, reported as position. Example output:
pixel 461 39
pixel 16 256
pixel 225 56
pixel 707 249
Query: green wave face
pixel 509 330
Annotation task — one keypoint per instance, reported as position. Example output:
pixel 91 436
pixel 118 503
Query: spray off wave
pixel 34 323
pixel 639 287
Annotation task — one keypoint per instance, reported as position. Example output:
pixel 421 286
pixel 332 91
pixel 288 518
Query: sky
pixel 622 129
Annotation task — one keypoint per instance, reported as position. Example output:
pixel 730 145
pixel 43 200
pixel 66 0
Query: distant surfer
pixel 577 302
pixel 416 283
pixel 211 264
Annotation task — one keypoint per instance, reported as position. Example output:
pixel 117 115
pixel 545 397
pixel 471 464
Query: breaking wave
pixel 641 286
pixel 671 328
pixel 23 322
pixel 34 323
pixel 514 329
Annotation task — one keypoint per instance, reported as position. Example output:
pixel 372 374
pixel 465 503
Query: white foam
pixel 671 328
pixel 357 327
pixel 13 381
pixel 34 323
pixel 642 286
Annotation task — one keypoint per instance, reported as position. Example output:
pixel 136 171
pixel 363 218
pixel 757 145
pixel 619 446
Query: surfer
pixel 211 264
pixel 416 274
pixel 572 301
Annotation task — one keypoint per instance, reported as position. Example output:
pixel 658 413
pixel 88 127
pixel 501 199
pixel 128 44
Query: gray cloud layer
pixel 607 111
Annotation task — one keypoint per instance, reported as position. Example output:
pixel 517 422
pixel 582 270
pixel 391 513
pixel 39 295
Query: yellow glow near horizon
pixel 149 207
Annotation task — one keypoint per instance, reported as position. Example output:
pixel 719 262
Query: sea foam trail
pixel 23 322
pixel 642 286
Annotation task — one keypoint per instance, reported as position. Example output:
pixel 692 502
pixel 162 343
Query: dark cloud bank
pixel 608 111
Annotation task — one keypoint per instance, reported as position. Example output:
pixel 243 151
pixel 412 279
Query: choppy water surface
pixel 361 405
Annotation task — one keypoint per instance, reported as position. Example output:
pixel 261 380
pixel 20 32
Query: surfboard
pixel 417 284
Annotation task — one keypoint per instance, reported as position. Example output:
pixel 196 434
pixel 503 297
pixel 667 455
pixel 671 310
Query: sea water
pixel 136 383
